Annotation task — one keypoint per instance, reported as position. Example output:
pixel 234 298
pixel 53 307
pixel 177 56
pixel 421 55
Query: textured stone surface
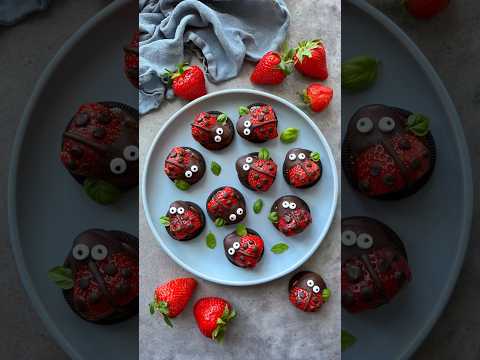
pixel 267 327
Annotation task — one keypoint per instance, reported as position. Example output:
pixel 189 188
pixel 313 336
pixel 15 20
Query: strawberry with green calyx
pixel 317 96
pixel 188 82
pixel 257 171
pixel 273 67
pixel 244 247
pixel 171 298
pixel 311 60
pixel 212 315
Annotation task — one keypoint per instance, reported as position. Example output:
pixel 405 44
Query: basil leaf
pixel 211 240
pixel 347 340
pixel 258 206
pixel 62 277
pixel 241 230
pixel 289 135
pixel 359 73
pixel 418 124
pixel 264 154
pixel 279 248
pixel 315 156
pixel 273 217
pixel 243 110
pixel 182 185
pixel 101 191
pixel 222 118
pixel 219 222
pixel 165 220
pixel 326 293
pixel 216 168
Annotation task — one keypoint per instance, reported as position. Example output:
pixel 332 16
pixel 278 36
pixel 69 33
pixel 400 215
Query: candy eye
pixel 246 167
pixel 316 289
pixel 247 124
pixel 386 124
pixel 285 204
pixel 240 211
pixel 364 125
pixel 194 168
pixel 349 238
pixel 292 206
pixel 118 166
pixel 80 251
pixel 219 131
pixel 310 283
pixel 181 210
pixel 292 157
pixel 217 138
pixel 236 245
pixel 249 160
pixel 364 241
pixel 231 251
pixel 188 174
pixel 131 153
pixel 172 210
pixel 99 252
pixel 301 156
pixel 246 131
pixel 232 217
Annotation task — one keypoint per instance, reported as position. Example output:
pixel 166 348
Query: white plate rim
pixel 331 212
pixel 26 118
pixel 460 142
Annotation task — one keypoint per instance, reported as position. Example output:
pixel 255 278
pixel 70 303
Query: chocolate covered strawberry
pixel 226 206
pixel 257 123
pixel 100 276
pixel 244 247
pixel 308 291
pixel 184 220
pixel 131 60
pixel 171 298
pixel 213 130
pixel 100 149
pixel 213 315
pixel 184 166
pixel 374 264
pixel 257 171
pixel 290 215
pixel 302 168
pixel 388 152
pixel 311 60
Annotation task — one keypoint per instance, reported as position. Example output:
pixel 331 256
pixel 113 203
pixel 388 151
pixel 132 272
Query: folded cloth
pixel 222 32
pixel 12 11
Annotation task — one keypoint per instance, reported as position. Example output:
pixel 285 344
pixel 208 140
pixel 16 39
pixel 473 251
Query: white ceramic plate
pixel 158 191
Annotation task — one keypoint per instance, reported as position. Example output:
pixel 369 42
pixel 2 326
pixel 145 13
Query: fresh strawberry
pixel 131 60
pixel 213 315
pixel 273 68
pixel 317 96
pixel 244 247
pixel 188 82
pixel 424 9
pixel 310 59
pixel 257 171
pixel 171 298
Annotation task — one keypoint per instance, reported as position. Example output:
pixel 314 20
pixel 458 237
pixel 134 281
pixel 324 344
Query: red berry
pixel 213 315
pixel 188 82
pixel 272 68
pixel 131 60
pixel 317 96
pixel 311 60
pixel 424 9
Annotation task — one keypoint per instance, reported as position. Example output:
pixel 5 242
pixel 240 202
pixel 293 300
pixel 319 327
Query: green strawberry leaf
pixel 215 168
pixel 101 191
pixel 347 340
pixel 241 230
pixel 167 320
pixel 418 124
pixel 264 154
pixel 315 156
pixel 219 222
pixel 151 306
pixel 279 248
pixel 211 240
pixel 222 118
pixel 359 73
pixel 243 110
pixel 258 206
pixel 182 185
pixel 326 293
pixel 273 217
pixel 62 277
pixel 162 308
pixel 165 221
pixel 289 135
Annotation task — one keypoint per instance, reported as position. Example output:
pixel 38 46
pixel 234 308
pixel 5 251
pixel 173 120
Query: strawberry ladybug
pixel 290 215
pixel 100 276
pixel 257 123
pixel 374 264
pixel 184 166
pixel 308 291
pixel 213 130
pixel 226 206
pixel 184 220
pixel 243 247
pixel 302 168
pixel 388 153
pixel 100 149
pixel 257 171
pixel 130 59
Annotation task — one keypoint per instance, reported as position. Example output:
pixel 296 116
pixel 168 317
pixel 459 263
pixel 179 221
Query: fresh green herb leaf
pixel 258 206
pixel 418 124
pixel 264 154
pixel 182 185
pixel 347 340
pixel 359 73
pixel 152 308
pixel 273 217
pixel 101 191
pixel 165 221
pixel 222 118
pixel 279 248
pixel 315 156
pixel 241 230
pixel 219 222
pixel 326 293
pixel 62 277
pixel 216 168
pixel 289 135
pixel 167 320
pixel 211 240
pixel 243 110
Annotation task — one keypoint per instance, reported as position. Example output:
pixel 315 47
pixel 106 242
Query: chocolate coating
pixel 309 171
pixel 185 163
pixel 291 221
pixel 305 291
pixel 208 134
pixel 254 173
pixel 249 252
pixel 261 129
pixel 224 202
pixel 189 224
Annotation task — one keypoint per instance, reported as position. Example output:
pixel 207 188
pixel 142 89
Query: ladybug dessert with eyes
pixel 257 123
pixel 100 149
pixel 244 247
pixel 130 59
pixel 257 171
pixel 302 168
pixel 290 215
pixel 374 264
pixel 388 153
pixel 184 166
pixel 184 220
pixel 100 276
pixel 213 130
pixel 308 291
pixel 226 206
